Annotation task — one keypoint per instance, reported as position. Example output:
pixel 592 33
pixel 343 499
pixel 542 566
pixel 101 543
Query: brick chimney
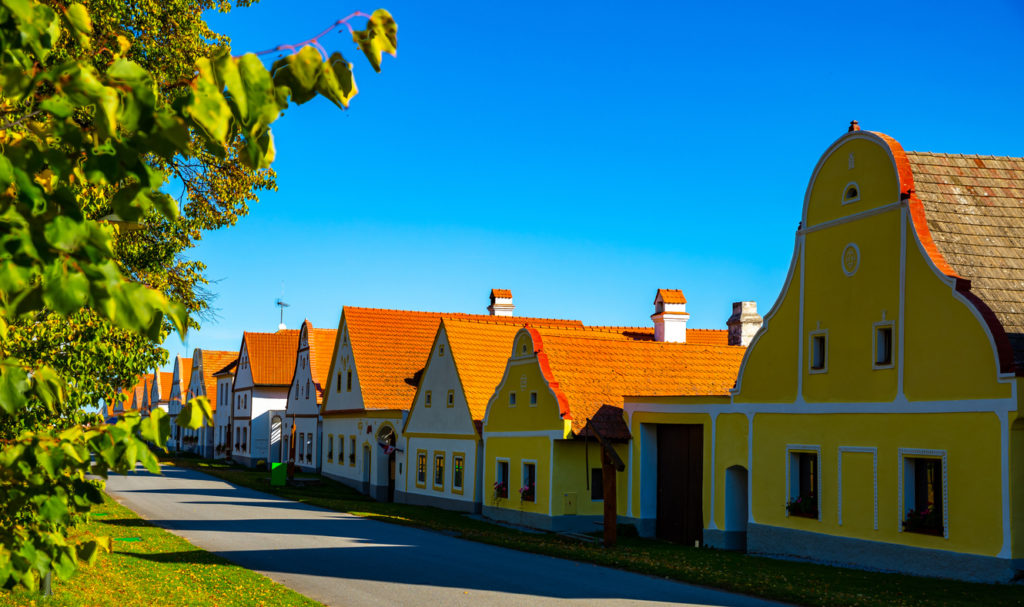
pixel 501 303
pixel 744 323
pixel 670 316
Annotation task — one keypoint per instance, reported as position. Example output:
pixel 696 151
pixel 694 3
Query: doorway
pixel 680 483
pixel 366 469
pixel 391 476
pixel 736 508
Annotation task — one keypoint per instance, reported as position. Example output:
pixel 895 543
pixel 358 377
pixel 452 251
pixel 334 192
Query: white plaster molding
pixel 843 199
pixel 874 470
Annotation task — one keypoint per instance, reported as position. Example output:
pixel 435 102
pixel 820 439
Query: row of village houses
pixel 872 419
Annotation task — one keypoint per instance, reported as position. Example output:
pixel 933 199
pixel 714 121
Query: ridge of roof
pixel 227 368
pixel 272 356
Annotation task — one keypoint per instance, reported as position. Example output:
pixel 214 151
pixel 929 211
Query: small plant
pixel 806 504
pixel 500 490
pixel 927 520
pixel 527 493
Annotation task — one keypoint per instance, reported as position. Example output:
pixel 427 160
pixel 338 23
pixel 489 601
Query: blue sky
pixel 585 154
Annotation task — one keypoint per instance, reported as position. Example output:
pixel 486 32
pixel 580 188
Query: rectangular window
pixel 439 471
pixel 511 399
pixel 596 484
pixel 819 352
pixel 348 381
pixel 244 432
pixel 341 449
pixel 302 445
pixel 458 471
pixel 427 398
pixel 803 484
pixel 339 381
pixel 421 469
pixel 501 479
pixel 330 447
pixel 528 492
pixel 451 398
pixel 309 447
pixel 923 495
pixel 533 399
pixel 883 346
pixel 352 450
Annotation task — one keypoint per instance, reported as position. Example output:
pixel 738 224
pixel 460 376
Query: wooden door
pixel 680 483
pixel 391 477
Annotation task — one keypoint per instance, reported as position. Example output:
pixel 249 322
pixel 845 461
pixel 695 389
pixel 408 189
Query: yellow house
pixel 442 432
pixel 875 416
pixel 542 465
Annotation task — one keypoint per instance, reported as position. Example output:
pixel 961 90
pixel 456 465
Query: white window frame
pixel 792 450
pixel 906 453
pixel 522 476
pixel 508 478
pixel 846 187
pixel 810 351
pixel 875 330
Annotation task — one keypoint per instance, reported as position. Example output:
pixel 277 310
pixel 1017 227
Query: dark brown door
pixel 391 477
pixel 680 483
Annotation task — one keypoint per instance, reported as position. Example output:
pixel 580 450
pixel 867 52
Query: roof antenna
pixel 281 304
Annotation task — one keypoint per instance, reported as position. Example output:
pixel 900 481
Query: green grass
pixel 795 582
pixel 149 566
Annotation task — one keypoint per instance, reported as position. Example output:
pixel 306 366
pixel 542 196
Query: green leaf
pixel 54 510
pixel 81 24
pixel 156 428
pixel 13 386
pixel 380 36
pixel 195 413
pixel 337 82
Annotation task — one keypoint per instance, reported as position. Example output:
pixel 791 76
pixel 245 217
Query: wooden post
pixel 610 501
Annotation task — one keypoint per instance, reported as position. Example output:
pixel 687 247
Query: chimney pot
pixel 854 126
pixel 744 323
pixel 501 303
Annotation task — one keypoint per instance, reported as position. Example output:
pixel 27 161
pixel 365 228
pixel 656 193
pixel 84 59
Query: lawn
pixel 149 566
pixel 789 581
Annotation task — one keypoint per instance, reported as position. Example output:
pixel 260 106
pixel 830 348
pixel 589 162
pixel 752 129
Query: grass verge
pixel 150 566
pixel 790 581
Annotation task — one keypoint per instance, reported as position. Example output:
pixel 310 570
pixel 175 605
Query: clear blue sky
pixel 585 154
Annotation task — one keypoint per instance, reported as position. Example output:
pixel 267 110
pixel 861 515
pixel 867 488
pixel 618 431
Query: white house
pixel 266 362
pixel 180 373
pixel 202 383
pixel 222 432
pixel 160 390
pixel 303 423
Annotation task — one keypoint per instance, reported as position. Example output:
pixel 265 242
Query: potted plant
pixel 526 493
pixel 805 504
pixel 500 490
pixel 926 520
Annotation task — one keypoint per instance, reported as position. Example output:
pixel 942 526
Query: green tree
pixel 90 133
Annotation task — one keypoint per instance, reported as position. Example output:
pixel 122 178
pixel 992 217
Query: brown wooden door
pixel 680 483
pixel 391 477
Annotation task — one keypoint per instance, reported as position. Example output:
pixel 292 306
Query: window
pixel 427 399
pixel 308 386
pixel 533 399
pixel 348 381
pixel 439 471
pixel 511 399
pixel 330 447
pixel 458 471
pixel 341 448
pixel 339 381
pixel 851 193
pixel 804 482
pixel 421 468
pixel 819 352
pixel 302 445
pixel 883 346
pixel 501 479
pixel 440 350
pixel 924 493
pixel 244 432
pixel 596 484
pixel 238 434
pixel 528 492
pixel 352 450
pixel 309 447
pixel 451 398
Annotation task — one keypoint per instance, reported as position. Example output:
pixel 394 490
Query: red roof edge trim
pixel 1004 349
pixel 545 369
pixel 917 213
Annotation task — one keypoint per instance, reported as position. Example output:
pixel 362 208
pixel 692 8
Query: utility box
pixel 278 474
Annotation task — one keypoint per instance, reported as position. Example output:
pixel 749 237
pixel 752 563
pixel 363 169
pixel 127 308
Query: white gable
pixel 343 392
pixel 302 398
pixel 439 378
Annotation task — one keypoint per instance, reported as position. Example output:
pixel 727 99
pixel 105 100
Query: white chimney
pixel 670 316
pixel 744 323
pixel 501 303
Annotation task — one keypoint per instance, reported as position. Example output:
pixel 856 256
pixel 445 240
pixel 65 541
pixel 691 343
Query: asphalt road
pixel 341 559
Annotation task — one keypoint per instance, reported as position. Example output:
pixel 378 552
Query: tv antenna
pixel 281 304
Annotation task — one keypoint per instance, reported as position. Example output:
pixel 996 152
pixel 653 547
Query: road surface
pixel 340 559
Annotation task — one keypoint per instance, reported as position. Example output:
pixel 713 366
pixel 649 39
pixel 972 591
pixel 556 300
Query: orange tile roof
pixel 591 371
pixel 272 356
pixel 166 379
pixel 390 349
pixel 671 296
pixel 502 293
pixel 321 349
pixel 480 350
pixel 228 369
pixel 214 360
